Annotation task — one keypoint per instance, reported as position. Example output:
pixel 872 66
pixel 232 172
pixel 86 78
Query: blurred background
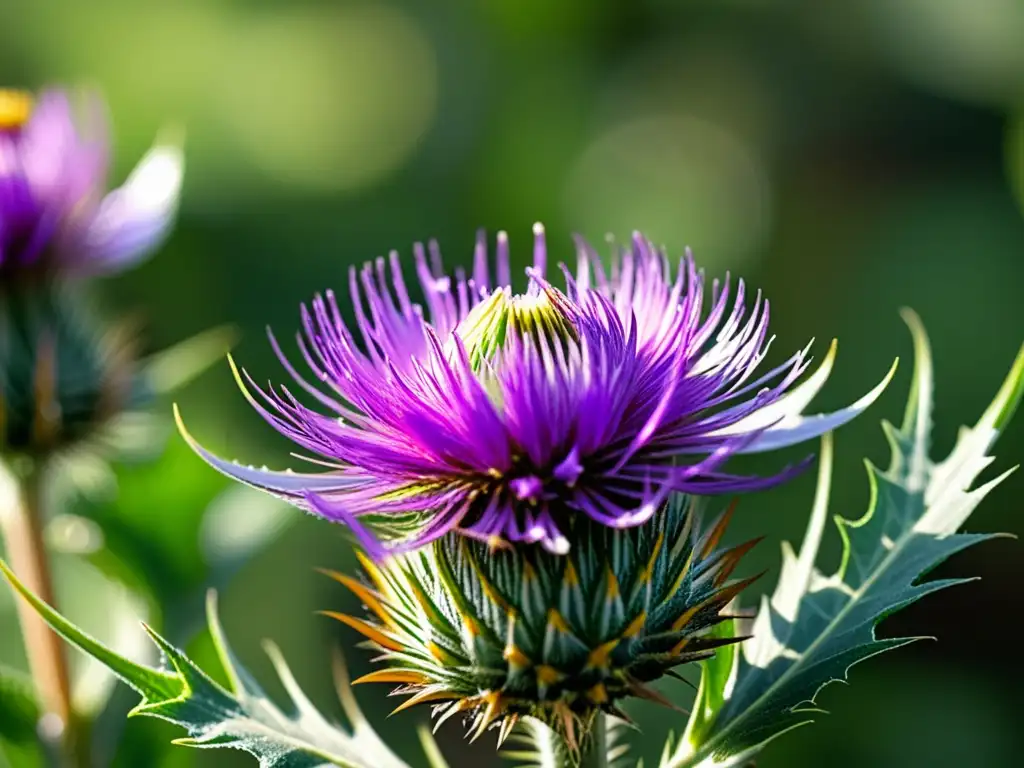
pixel 847 157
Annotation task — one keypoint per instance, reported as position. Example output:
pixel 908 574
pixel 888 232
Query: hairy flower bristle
pixel 498 634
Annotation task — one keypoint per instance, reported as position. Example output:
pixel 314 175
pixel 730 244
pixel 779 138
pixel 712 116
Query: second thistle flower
pixel 503 415
pixel 65 375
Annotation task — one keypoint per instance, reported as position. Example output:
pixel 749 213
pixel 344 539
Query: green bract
pixel 64 377
pixel 69 380
pixel 497 634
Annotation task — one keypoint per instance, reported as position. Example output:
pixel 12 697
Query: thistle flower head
pixel 55 216
pixel 498 635
pixel 504 416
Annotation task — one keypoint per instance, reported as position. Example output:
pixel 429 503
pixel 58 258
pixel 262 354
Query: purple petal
pixel 291 486
pixel 787 407
pixel 62 165
pixel 134 219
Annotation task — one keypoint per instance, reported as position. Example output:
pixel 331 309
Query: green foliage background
pixel 849 158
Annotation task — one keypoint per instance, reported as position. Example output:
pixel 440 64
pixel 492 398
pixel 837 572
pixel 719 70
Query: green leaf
pixel 94 601
pixel 174 367
pixel 816 627
pixel 537 746
pixel 19 712
pixel 1015 157
pixel 240 718
pixel 714 679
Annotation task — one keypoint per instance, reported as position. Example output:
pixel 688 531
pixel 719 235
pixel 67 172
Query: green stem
pixel 595 745
pixel 21 523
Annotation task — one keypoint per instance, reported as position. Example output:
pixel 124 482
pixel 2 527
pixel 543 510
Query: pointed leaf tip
pixel 220 644
pixel 1004 406
pixel 176 366
pixel 148 682
pixel 917 415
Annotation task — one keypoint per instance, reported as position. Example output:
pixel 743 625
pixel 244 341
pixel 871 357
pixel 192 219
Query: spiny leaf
pixel 150 683
pixel 816 627
pixel 241 718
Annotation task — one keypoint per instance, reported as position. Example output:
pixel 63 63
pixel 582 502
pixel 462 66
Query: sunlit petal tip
pixel 798 429
pixel 557 546
pixel 240 382
pixel 134 219
pixel 155 183
pixel 285 484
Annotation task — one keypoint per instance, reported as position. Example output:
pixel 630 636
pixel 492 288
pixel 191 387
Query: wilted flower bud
pixel 499 634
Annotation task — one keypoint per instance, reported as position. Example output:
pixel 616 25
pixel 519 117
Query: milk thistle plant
pixel 538 482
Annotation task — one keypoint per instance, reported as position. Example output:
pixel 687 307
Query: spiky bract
pixel 64 377
pixel 499 634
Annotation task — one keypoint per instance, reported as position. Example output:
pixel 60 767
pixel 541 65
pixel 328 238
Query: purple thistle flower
pixel 500 415
pixel 54 215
